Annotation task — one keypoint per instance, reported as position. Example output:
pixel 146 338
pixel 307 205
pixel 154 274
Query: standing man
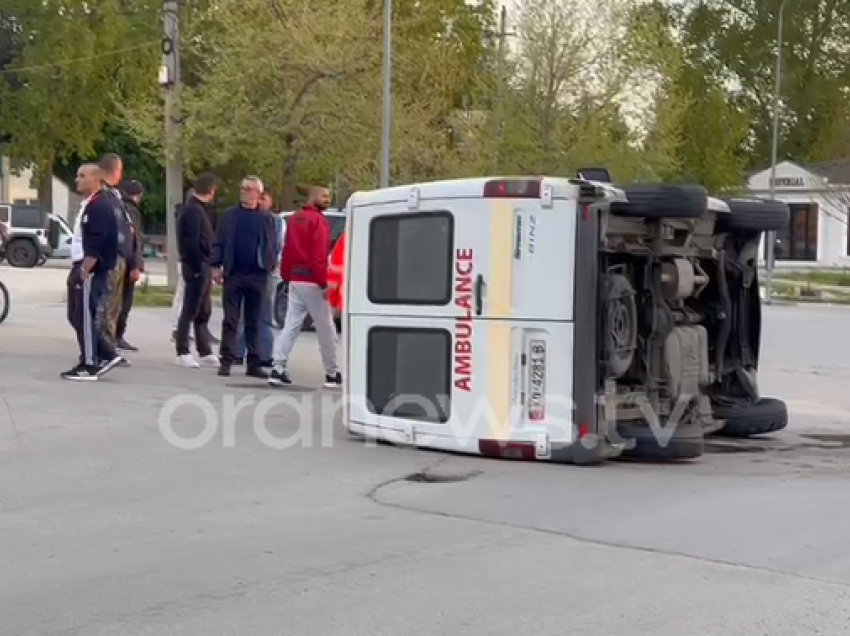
pixel 112 168
pixel 305 268
pixel 94 251
pixel 131 196
pixel 265 337
pixel 195 238
pixel 242 258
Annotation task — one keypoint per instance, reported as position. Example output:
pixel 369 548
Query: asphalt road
pixel 107 529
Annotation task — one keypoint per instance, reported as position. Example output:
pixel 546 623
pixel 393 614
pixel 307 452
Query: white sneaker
pixel 211 361
pixel 187 362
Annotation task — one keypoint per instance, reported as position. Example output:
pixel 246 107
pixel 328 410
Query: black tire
pixel 663 201
pixel 308 324
pixel 22 253
pixel 754 215
pixel 5 302
pixel 687 442
pixel 768 415
pixel 42 260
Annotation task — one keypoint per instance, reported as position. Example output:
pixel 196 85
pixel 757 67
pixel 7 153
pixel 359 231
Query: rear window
pixel 28 217
pixel 409 373
pixel 410 259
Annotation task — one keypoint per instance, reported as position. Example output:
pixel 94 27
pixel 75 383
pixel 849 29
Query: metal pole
pixel 774 152
pixel 500 83
pixel 386 120
pixel 173 146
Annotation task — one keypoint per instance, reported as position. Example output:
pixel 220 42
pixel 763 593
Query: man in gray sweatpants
pixel 304 266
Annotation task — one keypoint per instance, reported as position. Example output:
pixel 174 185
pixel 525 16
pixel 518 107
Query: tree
pixel 734 42
pixel 74 62
pixel 292 90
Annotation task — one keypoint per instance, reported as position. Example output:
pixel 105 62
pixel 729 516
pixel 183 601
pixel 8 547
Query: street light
pixel 386 119
pixel 771 236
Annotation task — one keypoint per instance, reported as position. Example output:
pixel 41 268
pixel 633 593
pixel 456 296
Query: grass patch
pixel 836 278
pixel 160 295
pixel 799 293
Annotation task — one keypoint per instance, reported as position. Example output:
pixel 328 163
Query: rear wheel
pixel 685 442
pixel 22 253
pixel 768 415
pixel 663 201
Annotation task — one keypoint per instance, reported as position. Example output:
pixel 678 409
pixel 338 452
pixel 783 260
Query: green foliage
pixel 75 61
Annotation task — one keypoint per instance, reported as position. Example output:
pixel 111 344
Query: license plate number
pixel 537 380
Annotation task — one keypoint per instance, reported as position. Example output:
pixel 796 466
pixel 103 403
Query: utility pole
pixel 169 80
pixel 501 35
pixel 386 119
pixel 770 244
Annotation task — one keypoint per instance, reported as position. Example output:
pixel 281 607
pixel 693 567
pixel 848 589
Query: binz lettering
pixel 464 269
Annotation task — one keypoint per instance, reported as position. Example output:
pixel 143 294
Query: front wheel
pixel 768 415
pixel 5 302
pixel 22 253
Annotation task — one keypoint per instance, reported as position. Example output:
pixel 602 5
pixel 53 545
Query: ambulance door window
pixel 408 373
pixel 411 259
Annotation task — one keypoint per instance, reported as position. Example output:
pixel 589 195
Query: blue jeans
pixel 265 336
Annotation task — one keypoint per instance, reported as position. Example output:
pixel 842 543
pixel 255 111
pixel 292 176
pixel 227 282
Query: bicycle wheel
pixel 5 301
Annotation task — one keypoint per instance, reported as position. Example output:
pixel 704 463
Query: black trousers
pixel 128 290
pixel 243 297
pixel 86 312
pixel 196 311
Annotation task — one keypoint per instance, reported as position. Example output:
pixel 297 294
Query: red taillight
pixel 585 213
pixel 583 430
pixel 513 189
pixel 507 450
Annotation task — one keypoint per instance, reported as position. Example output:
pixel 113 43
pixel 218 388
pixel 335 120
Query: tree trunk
pixel 44 176
pixel 290 173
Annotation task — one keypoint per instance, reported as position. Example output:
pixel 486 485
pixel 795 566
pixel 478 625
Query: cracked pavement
pixel 107 530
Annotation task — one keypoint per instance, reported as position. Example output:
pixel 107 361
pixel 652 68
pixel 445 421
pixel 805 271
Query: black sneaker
pixel 123 345
pixel 224 371
pixel 107 365
pixel 279 378
pixel 256 372
pixel 333 381
pixel 81 373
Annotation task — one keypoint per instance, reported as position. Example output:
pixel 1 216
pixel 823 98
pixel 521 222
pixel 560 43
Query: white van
pixel 554 319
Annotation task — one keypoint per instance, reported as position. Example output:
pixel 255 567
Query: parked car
pixel 336 223
pixel 28 228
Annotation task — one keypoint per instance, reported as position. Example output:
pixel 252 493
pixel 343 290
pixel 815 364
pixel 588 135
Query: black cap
pixel 132 188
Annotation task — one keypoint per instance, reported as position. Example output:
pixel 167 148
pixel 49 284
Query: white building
pixel 819 198
pixel 18 188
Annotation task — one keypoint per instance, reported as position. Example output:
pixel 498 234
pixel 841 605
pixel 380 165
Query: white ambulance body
pixel 464 324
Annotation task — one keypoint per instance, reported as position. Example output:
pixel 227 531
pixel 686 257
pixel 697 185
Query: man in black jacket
pixel 131 196
pixel 94 254
pixel 195 239
pixel 244 254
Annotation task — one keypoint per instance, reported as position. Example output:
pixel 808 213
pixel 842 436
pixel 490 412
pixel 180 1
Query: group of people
pixel 249 251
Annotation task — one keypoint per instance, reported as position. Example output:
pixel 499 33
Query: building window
pixel 799 241
pixel 408 373
pixel 410 259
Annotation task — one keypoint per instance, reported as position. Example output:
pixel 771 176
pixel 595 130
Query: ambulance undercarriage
pixel 680 319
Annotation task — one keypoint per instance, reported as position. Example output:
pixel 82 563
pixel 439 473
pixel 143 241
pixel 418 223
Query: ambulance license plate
pixel 537 380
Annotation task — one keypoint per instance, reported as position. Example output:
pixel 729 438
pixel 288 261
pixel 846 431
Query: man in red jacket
pixel 305 267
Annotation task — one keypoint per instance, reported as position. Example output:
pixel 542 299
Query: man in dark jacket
pixel 242 259
pixel 305 267
pixel 131 196
pixel 195 238
pixel 112 168
pixel 94 252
